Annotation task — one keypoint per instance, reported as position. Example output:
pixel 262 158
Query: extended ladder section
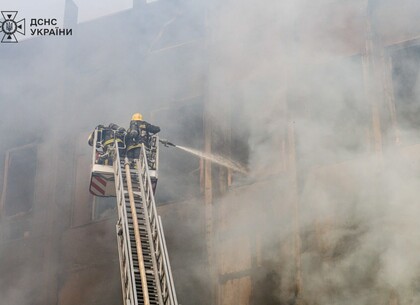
pixel 145 270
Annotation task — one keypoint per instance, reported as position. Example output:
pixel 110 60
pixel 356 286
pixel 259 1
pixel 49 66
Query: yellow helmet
pixel 137 117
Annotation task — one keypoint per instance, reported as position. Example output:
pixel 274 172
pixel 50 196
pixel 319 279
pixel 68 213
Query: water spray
pixel 218 159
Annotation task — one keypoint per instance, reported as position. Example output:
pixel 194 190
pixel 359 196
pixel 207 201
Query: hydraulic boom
pixel 146 275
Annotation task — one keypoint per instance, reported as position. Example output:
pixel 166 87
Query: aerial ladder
pixel 146 275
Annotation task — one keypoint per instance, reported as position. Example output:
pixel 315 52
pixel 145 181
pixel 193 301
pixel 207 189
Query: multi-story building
pixel 318 99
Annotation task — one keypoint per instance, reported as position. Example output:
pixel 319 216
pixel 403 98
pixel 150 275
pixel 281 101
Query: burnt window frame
pixel 6 177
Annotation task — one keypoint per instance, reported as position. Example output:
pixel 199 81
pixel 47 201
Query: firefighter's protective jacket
pixel 92 135
pixel 107 135
pixel 138 133
pixel 119 134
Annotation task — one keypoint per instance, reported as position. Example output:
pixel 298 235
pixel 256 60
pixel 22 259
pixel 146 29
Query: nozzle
pixel 166 143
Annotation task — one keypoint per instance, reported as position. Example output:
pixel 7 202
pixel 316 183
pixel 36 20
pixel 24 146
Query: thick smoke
pixel 54 91
pixel 297 70
pixel 276 71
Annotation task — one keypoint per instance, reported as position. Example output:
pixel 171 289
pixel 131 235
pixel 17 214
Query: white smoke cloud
pixel 278 64
pixel 358 235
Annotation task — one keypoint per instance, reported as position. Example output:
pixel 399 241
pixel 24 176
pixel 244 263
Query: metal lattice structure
pixel 145 269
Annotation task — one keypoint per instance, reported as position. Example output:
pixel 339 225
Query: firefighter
pixel 106 138
pixel 92 135
pixel 139 132
pixel 119 137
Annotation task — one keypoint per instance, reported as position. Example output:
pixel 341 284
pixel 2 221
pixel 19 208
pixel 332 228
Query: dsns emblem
pixel 9 26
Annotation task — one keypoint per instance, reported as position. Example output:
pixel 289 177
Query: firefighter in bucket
pixel 139 132
pixel 107 137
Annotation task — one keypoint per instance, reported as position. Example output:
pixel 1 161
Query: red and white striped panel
pixel 97 186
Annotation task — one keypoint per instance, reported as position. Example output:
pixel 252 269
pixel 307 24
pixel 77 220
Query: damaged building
pixel 320 100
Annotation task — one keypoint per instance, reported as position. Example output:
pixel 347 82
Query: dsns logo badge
pixel 9 26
